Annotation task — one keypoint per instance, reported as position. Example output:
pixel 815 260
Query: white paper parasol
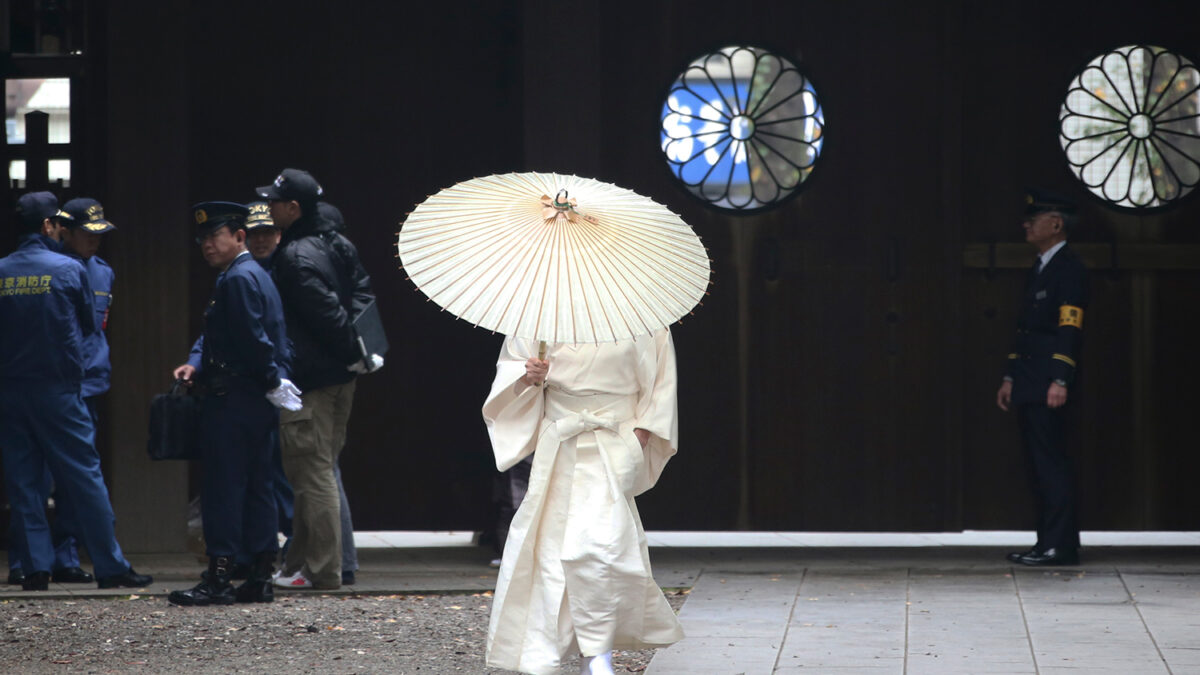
pixel 554 258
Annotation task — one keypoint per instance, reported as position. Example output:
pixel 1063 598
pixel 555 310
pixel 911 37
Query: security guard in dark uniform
pixel 1042 374
pixel 45 311
pixel 241 361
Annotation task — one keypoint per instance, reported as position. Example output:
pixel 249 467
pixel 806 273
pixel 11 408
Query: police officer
pixel 241 359
pixel 1041 376
pixel 45 311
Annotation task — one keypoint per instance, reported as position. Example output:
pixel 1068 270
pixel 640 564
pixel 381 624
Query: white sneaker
pixel 297 580
pixel 495 563
pixel 600 664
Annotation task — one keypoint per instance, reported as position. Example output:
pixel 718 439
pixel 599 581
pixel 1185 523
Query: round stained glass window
pixel 742 128
pixel 1130 127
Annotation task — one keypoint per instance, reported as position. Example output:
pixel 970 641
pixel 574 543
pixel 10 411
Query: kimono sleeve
pixel 657 407
pixel 513 410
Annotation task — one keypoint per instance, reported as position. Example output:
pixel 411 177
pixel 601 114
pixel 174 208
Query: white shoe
pixel 495 563
pixel 297 580
pixel 601 664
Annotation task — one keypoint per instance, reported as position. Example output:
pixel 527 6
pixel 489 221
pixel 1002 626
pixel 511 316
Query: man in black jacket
pixel 323 286
pixel 1041 374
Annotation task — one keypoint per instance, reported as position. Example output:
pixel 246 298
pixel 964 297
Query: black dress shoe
pixel 348 577
pixel 36 581
pixel 1016 556
pixel 16 577
pixel 1051 556
pixel 210 591
pixel 72 575
pixel 256 590
pixel 129 579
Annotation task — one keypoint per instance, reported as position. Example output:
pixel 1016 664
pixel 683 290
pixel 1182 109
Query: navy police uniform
pixel 45 312
pixel 242 354
pixel 1046 349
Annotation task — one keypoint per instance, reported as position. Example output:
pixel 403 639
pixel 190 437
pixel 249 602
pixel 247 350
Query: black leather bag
pixel 175 424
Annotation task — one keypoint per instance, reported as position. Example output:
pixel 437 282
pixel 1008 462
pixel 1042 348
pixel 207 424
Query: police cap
pixel 209 216
pixel 292 185
pixel 35 207
pixel 88 215
pixel 1038 201
pixel 260 216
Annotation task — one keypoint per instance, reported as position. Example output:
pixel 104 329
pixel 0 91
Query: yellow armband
pixel 1070 315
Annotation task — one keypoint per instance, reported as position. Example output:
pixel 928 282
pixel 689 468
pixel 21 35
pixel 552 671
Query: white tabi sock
pixel 601 664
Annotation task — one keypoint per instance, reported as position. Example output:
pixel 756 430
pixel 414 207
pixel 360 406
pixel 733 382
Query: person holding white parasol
pixel 584 289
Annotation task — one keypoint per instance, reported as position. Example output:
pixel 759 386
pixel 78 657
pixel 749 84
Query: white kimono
pixel 576 570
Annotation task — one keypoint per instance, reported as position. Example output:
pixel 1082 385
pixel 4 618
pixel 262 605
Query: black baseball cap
pixel 292 185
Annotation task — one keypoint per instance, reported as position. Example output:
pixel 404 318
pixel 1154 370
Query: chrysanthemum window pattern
pixel 742 128
pixel 1130 127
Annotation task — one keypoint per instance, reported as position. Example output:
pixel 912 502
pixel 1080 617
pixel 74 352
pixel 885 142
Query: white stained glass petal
pixel 1116 186
pixel 1116 67
pixel 1087 103
pixel 743 63
pixel 1184 166
pixel 1141 189
pixel 1076 126
pixel 1141 62
pixel 720 74
pixel 1082 152
pixel 1096 82
pixel 1096 170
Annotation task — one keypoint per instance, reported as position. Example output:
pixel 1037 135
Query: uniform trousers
pixel 44 426
pixel 66 553
pixel 311 440
pixel 1052 474
pixel 238 493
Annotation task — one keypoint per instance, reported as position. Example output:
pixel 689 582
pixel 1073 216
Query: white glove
pixel 369 365
pixel 285 396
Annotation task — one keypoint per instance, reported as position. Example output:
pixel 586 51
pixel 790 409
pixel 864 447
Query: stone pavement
pixel 852 603
pixel 1124 610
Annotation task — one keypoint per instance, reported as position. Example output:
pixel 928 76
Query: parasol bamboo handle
pixel 542 355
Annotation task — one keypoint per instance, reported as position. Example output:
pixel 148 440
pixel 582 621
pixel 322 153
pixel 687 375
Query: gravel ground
pixel 298 633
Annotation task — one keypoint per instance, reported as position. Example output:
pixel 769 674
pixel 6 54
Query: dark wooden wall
pixel 840 376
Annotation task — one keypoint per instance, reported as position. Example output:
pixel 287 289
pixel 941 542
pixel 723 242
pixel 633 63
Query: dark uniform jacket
pixel 97 366
pixel 323 286
pixel 45 312
pixel 1049 328
pixel 244 335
